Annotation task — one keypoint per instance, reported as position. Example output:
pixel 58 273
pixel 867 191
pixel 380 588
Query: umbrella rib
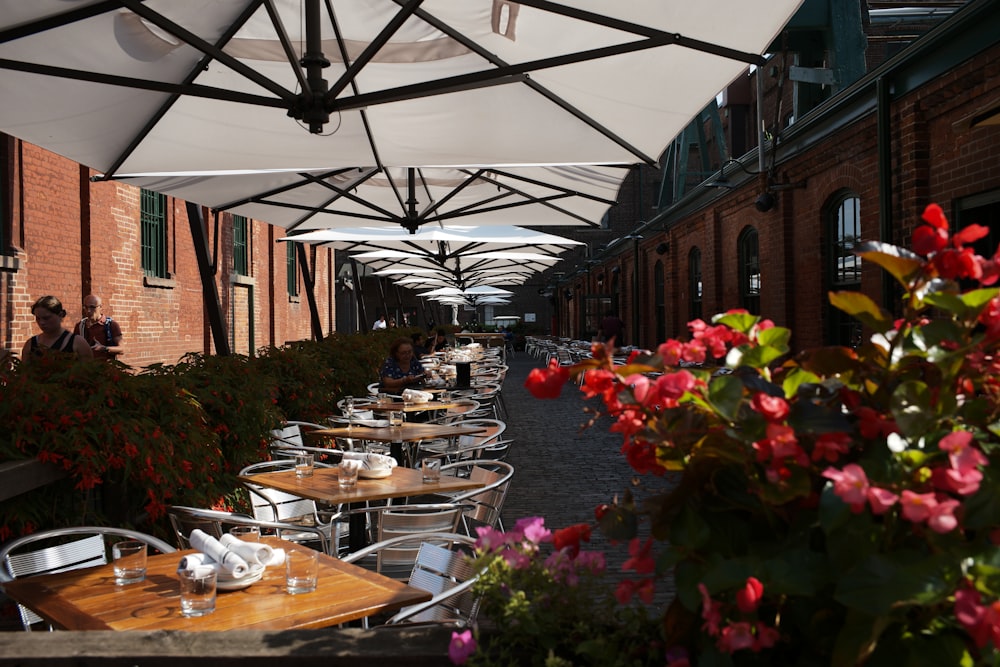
pixel 569 191
pixel 428 212
pixel 286 44
pixel 212 50
pixel 353 197
pixel 544 201
pixel 262 196
pixel 373 47
pixel 580 56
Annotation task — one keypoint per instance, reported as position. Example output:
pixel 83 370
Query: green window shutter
pixel 293 273
pixel 153 225
pixel 240 263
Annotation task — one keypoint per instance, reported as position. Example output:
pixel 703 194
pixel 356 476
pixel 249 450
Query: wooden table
pixel 324 487
pixel 396 406
pixel 409 432
pixel 88 599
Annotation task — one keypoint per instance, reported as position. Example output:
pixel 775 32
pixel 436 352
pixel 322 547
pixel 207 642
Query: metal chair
pixel 441 567
pixel 216 522
pixel 273 505
pixel 467 446
pixel 389 521
pixel 488 500
pixel 60 555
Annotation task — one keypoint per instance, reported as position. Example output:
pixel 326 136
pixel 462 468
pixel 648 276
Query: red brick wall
pixel 73 237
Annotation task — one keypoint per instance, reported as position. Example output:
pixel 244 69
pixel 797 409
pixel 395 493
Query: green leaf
pixel 743 322
pixel 966 306
pixel 857 638
pixel 901 264
pixel 941 649
pixel 688 530
pixel 776 337
pixel 725 393
pixel 881 583
pixel 863 308
pixel 753 356
pixel 795 378
pixel 982 509
pixel 798 571
pixel 911 408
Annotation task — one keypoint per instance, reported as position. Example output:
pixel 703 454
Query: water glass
pixel 347 407
pixel 301 570
pixel 347 473
pixel 303 465
pixel 396 418
pixel 246 533
pixel 197 591
pixel 129 561
pixel 382 398
pixel 431 469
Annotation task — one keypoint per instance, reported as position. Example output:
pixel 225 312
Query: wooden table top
pixel 89 599
pixel 324 486
pixel 408 432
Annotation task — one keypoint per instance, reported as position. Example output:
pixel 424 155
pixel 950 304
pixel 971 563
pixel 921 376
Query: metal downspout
pixel 884 148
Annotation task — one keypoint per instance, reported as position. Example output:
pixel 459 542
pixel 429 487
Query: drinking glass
pixel 301 570
pixel 348 410
pixel 197 591
pixel 246 533
pixel 396 418
pixel 130 561
pixel 347 473
pixel 382 398
pixel 431 469
pixel 304 465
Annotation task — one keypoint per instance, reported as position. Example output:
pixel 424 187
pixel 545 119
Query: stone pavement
pixel 560 471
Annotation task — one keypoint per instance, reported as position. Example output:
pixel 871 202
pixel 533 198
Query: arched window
pixel 749 253
pixel 695 285
pixel 843 266
pixel 660 298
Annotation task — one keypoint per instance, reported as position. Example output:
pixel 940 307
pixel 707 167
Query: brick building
pixel 63 234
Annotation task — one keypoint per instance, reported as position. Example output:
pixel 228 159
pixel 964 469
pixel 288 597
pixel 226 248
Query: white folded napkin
pixel 414 396
pixel 228 560
pixel 201 564
pixel 251 552
pixel 374 423
pixel 371 461
pixel 360 415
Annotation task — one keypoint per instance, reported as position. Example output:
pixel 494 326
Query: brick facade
pixel 69 236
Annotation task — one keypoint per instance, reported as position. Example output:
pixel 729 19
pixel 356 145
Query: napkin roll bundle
pixel 371 461
pixel 228 555
pixel 416 396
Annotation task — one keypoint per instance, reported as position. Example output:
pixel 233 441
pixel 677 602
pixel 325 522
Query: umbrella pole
pixel 308 277
pixel 210 292
pixel 359 295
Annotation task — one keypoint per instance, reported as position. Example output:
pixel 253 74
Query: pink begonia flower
pixel 710 611
pixel 773 408
pixel 626 588
pixel 462 647
pixel 489 538
pixel 881 500
pixel 982 622
pixel 670 352
pixel 533 529
pixel 640 386
pixel 942 518
pixel 963 482
pixel 766 637
pixel 830 446
pixel 917 506
pixel 675 385
pixel 736 636
pixel 850 485
pixel 962 453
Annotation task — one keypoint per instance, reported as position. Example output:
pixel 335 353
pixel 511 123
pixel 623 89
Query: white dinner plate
pixel 381 473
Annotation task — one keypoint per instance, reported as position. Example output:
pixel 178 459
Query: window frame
pixel 748 247
pixel 153 226
pixel 292 269
pixel 241 245
pixel 840 328
pixel 696 284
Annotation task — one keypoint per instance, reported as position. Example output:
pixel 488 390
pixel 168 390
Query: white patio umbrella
pixel 477 290
pixel 175 86
pixel 438 241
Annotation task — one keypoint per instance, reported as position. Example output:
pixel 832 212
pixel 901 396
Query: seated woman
pixel 438 342
pixel 401 369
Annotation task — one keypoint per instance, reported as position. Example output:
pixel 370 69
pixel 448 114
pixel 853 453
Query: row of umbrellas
pixel 352 115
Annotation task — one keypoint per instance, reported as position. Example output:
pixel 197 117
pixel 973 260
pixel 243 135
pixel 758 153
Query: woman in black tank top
pixel 49 314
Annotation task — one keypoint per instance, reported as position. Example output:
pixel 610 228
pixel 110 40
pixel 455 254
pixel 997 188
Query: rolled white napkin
pixel 360 415
pixel 251 552
pixel 228 560
pixel 374 423
pixel 371 461
pixel 414 396
pixel 201 563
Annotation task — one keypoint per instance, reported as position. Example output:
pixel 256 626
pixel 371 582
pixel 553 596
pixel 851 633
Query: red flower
pixel 569 538
pixel 641 561
pixel 748 597
pixel 773 408
pixel 934 215
pixel 547 382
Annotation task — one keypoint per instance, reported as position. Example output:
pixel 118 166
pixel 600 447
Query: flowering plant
pixel 836 507
pixel 548 603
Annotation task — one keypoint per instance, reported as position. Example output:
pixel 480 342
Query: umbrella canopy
pixel 438 241
pixel 133 87
pixel 410 197
pixel 464 271
pixel 477 290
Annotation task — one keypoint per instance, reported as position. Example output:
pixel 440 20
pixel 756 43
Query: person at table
pixel 419 348
pixel 401 369
pixel 439 342
pixel 49 314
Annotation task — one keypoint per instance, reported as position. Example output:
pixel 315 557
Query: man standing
pixel 103 334
pixel 379 324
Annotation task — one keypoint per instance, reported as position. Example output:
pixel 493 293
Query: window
pixel 153 224
pixel 660 296
pixel 240 262
pixel 4 189
pixel 695 285
pixel 843 267
pixel 293 269
pixel 749 252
